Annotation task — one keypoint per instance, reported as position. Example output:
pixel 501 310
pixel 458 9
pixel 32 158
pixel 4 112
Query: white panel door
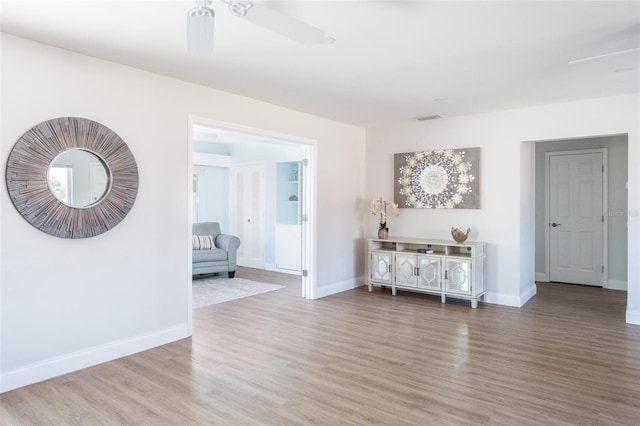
pixel 576 218
pixel 248 205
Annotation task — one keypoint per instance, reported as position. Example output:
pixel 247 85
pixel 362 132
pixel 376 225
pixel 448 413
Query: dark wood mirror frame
pixel 28 186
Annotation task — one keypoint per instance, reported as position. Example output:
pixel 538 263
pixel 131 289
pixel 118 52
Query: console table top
pixel 412 240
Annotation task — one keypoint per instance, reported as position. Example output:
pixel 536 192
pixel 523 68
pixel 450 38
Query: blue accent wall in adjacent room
pixel 214 197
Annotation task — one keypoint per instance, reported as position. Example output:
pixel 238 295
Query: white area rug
pixel 210 291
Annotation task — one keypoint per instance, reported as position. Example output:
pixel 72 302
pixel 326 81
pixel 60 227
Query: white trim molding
pixel 542 277
pixel 274 268
pixel 508 300
pixel 633 317
pixel 49 368
pixel 617 285
pixel 338 287
pixel 213 160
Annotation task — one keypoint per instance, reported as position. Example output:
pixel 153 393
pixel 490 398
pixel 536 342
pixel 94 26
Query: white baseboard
pixel 633 317
pixel 611 284
pixel 338 287
pixel 528 294
pixel 250 263
pixel 501 299
pixel 617 285
pixel 542 277
pixel 75 361
pixel 507 300
pixel 272 267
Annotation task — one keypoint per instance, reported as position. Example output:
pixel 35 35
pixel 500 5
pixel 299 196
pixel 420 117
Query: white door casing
pixel 306 205
pixel 248 212
pixel 196 193
pixel 576 222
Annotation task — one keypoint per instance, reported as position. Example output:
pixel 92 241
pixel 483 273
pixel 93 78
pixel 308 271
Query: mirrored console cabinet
pixel 428 266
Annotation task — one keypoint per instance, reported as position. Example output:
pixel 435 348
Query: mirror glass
pixel 79 178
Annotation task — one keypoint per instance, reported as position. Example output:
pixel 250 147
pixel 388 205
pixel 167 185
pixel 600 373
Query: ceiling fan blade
pixel 278 22
pixel 200 23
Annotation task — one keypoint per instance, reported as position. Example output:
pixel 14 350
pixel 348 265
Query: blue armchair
pixel 221 258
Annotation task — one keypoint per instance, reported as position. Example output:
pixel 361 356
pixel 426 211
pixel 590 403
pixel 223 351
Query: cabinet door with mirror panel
pixel 429 272
pixel 381 267
pixel 458 276
pixel 406 270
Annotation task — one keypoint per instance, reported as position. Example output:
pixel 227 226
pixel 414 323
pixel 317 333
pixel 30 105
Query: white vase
pixel 383 233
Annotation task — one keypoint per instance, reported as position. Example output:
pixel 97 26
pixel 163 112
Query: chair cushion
pixel 209 255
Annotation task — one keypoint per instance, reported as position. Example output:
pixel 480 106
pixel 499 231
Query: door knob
pixel 555 224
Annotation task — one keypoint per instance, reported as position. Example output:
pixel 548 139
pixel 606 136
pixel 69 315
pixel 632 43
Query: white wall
pixel 506 218
pixel 68 304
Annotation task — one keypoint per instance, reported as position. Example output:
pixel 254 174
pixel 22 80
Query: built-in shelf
pixel 288 182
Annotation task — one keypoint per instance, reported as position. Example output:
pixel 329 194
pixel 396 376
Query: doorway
pixel 611 216
pixel 254 156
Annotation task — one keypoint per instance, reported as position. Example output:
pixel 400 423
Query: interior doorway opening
pixel 263 193
pixel 578 248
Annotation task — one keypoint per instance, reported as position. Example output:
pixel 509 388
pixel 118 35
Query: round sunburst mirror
pixel 72 177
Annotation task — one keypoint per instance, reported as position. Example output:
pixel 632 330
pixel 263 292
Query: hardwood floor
pixel 293 282
pixel 567 357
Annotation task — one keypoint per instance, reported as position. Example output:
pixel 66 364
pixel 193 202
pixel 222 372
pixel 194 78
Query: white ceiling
pixel 392 60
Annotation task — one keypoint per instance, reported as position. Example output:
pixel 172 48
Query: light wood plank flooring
pixel 355 358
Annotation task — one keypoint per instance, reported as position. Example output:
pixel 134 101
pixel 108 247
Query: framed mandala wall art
pixel 439 179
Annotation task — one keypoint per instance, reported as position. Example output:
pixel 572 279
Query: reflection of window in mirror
pixel 79 178
pixel 61 182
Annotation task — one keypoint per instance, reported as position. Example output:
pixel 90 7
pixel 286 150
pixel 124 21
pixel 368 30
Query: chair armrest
pixel 230 243
pixel 227 242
